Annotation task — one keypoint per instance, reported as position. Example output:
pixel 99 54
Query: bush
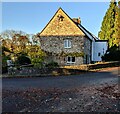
pixel 4 69
pixel 23 60
pixel 52 64
pixel 113 54
pixel 4 60
pixel 4 63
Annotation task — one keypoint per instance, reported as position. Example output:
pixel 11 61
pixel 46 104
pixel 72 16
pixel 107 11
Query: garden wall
pixel 94 66
pixel 66 70
pixel 30 71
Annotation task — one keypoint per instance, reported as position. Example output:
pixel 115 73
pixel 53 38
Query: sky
pixel 32 17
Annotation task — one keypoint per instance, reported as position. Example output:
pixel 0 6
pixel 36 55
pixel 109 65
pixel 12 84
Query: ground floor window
pixel 70 59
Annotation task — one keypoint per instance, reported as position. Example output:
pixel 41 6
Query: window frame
pixel 67 43
pixel 71 58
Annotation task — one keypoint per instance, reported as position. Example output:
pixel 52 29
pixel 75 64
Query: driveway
pixel 69 90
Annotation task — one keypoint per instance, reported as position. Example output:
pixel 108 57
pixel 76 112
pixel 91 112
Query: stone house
pixel 66 41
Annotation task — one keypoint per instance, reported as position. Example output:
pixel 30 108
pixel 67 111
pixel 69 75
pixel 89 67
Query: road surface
pixel 88 92
pixel 97 78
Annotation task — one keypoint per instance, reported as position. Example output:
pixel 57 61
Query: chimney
pixel 77 20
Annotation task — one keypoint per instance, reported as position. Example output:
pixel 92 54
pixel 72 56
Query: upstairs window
pixel 67 44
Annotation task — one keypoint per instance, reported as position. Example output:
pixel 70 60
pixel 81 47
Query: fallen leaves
pixel 83 99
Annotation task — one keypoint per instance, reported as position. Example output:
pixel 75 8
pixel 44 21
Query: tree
pixel 35 39
pixel 19 43
pixel 15 41
pixel 117 25
pixel 8 34
pixel 36 55
pixel 5 49
pixel 5 57
pixel 113 54
pixel 107 31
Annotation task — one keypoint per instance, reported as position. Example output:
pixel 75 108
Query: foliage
pixel 4 63
pixel 73 54
pixel 4 60
pixel 117 25
pixel 15 41
pixel 107 31
pixel 17 44
pixel 4 69
pixel 8 34
pixel 5 49
pixel 36 55
pixel 23 60
pixel 112 54
pixel 52 64
pixel 35 39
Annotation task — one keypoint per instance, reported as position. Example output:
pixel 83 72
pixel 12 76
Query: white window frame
pixel 70 60
pixel 67 43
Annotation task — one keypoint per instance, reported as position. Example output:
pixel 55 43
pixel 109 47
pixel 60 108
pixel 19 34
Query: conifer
pixel 107 31
pixel 117 25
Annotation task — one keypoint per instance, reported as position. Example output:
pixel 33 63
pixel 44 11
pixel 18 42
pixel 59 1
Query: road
pixel 94 91
pixel 97 78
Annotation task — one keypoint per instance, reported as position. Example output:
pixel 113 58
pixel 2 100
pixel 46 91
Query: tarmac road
pixel 109 75
pixel 88 92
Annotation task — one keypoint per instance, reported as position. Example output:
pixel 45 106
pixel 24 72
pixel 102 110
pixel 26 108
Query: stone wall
pixel 55 45
pixel 32 72
pixel 59 28
pixel 87 50
pixel 78 61
pixel 94 66
pixel 61 25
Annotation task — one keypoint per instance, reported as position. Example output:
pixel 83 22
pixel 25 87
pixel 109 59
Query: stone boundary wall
pixel 88 67
pixel 33 72
pixel 63 71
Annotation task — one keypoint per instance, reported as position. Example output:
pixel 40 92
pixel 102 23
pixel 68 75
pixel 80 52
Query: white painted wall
pixel 99 47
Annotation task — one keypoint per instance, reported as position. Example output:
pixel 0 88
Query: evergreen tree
pixel 117 25
pixel 108 25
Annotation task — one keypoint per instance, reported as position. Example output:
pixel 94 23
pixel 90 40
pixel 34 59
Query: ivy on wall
pixel 73 54
pixel 63 54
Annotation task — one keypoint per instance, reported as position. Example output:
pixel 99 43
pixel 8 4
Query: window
pixel 98 54
pixel 67 44
pixel 70 59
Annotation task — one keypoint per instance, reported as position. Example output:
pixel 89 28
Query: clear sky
pixel 32 17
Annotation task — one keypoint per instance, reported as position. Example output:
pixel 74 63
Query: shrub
pixel 113 54
pixel 4 69
pixel 4 60
pixel 4 63
pixel 23 60
pixel 52 64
